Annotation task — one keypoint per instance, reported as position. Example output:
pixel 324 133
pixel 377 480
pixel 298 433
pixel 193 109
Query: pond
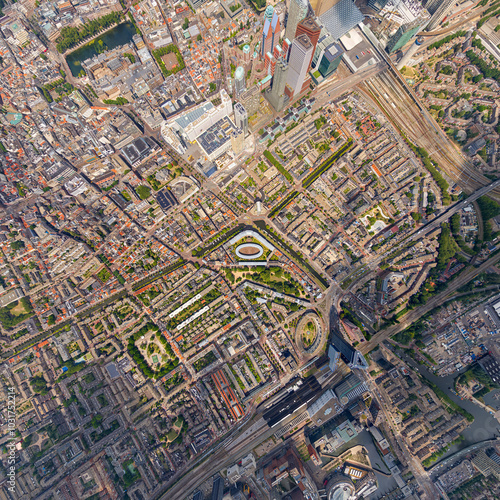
pixel 119 35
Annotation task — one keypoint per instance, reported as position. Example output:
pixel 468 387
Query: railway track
pixel 420 128
pixel 214 460
pixel 403 109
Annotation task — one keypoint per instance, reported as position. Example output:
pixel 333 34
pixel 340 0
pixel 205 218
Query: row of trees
pixel 163 51
pixel 327 164
pixel 488 14
pixel 436 175
pixel 486 70
pixel 71 36
pixel 446 39
pixel 119 101
pixel 269 156
pixel 208 298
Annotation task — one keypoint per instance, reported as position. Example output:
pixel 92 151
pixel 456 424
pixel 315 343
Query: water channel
pixel 485 425
pixel 119 35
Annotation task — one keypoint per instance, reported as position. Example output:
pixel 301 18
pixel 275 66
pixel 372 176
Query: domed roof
pixel 269 12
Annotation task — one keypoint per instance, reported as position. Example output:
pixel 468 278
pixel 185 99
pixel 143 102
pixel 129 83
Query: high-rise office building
pixel 276 94
pixel 296 12
pixel 325 41
pixel 321 6
pixel 286 47
pixel 410 52
pixel 311 28
pixel 432 5
pixel 271 31
pixel 403 35
pixel 299 62
pixel 241 117
pixel 443 7
pixel 239 80
pixel 377 4
pixel 328 59
pixel 237 141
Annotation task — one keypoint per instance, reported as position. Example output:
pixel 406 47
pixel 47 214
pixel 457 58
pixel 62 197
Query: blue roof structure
pixel 189 117
pixel 274 21
pixel 216 136
pixel 341 18
pixel 14 118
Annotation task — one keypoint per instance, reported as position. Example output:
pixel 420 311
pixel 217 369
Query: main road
pixel 415 314
pixel 233 448
pixel 224 454
pixel 230 450
pixel 363 271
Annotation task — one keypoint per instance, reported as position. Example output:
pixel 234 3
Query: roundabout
pixel 309 334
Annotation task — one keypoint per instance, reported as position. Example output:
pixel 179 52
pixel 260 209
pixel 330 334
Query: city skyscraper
pixel 321 6
pixel 403 35
pixel 271 31
pixel 296 12
pixel 311 28
pixel 440 10
pixel 276 95
pixel 239 80
pixel 327 56
pixel 377 4
pixel 241 117
pixel 410 52
pixel 299 63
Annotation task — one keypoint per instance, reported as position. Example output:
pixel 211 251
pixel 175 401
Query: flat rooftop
pixel 216 136
pixel 166 200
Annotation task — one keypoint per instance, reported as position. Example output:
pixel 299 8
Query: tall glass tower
pixel 296 12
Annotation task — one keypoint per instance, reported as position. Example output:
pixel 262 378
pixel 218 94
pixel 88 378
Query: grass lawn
pixel 143 192
pixel 104 275
pixel 18 309
pixel 172 434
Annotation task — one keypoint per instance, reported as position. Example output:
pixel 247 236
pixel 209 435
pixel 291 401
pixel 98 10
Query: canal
pixel 119 35
pixel 485 425
pixel 386 483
